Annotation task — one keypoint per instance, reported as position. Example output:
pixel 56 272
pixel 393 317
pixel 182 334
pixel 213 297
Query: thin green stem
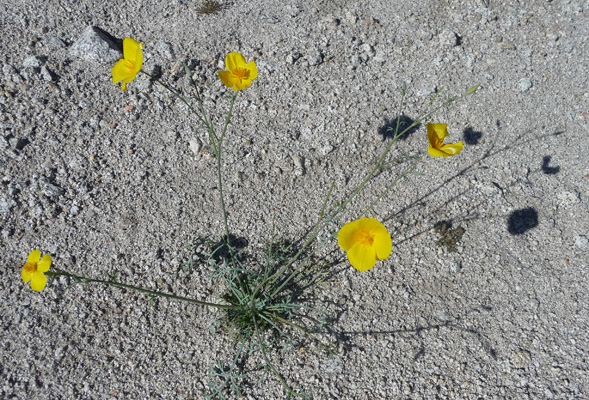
pixel 342 206
pixel 82 279
pixel 323 207
pixel 296 326
pixel 378 165
pixel 321 213
pixel 220 179
pixel 216 142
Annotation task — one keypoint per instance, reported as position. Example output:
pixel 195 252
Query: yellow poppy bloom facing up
pixel 435 135
pixel 366 240
pixel 34 268
pixel 240 74
pixel 126 69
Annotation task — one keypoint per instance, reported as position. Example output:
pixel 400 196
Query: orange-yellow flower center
pixel 30 267
pixel 366 238
pixel 241 73
pixel 130 66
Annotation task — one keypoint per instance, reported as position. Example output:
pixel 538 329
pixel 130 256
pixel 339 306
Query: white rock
pixel 195 145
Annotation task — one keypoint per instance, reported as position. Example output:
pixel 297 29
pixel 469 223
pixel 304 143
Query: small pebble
pixel 524 84
pixel 165 50
pixel 315 58
pixel 195 145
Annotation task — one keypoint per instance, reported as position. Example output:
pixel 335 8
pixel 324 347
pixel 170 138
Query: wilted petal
pixel 120 71
pixel 127 80
pixel 126 69
pixel 436 153
pixel 436 134
pixel 132 49
pixel 452 149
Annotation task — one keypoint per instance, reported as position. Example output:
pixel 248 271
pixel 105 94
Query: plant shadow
pixel 389 129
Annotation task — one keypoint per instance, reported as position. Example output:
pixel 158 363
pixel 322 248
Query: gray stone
pixel 6 205
pixel 521 359
pixel 299 165
pixel 47 75
pixel 85 103
pixel 426 90
pixel 524 84
pixel 367 48
pixel 448 38
pixel 53 41
pixel 49 189
pixel 567 199
pixel 17 143
pixel 332 365
pixel 581 241
pixel 315 58
pixel 96 45
pixel 195 145
pixel 34 62
pixel 165 50
pixel 292 57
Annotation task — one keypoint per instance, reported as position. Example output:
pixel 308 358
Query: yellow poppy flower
pixel 34 268
pixel 240 74
pixel 435 135
pixel 126 69
pixel 366 240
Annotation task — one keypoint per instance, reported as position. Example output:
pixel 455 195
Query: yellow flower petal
pixel 435 135
pixel 44 264
pixel 251 66
pixel 234 60
pixel 126 69
pixel 26 273
pixel 452 149
pixel 436 153
pixel 120 71
pixel 239 75
pixel 347 235
pixel 138 60
pixel 38 281
pixel 34 257
pixel 366 240
pixel 383 245
pixel 127 80
pixel 362 257
pixel 227 78
pixel 131 49
pixel 240 84
pixel 440 130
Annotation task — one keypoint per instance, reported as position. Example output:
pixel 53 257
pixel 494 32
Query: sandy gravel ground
pixel 109 182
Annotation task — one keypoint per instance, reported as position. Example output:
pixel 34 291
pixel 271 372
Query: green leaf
pixel 471 90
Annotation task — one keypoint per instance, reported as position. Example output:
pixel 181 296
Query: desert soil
pixel 111 182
